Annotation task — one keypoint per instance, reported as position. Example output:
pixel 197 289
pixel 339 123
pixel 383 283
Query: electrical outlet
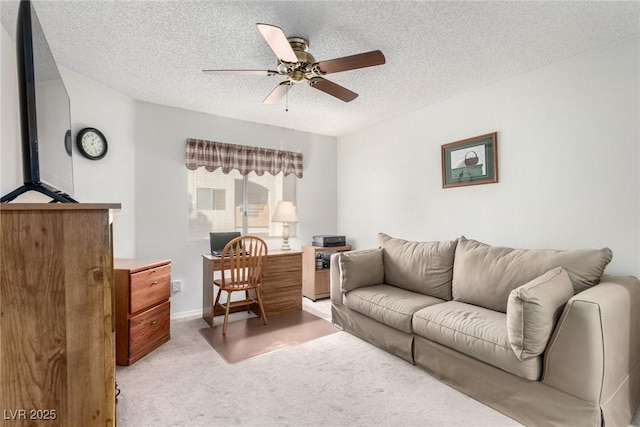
pixel 176 286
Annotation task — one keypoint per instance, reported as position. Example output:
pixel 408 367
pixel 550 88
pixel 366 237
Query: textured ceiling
pixel 154 51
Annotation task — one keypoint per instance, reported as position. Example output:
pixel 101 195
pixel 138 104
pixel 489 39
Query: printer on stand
pixel 328 241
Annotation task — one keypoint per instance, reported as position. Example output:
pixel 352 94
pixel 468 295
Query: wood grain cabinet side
pixel 56 282
pixel 315 279
pixel 143 308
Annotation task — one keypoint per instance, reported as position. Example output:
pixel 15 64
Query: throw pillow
pixel 360 268
pixel 423 267
pixel 533 310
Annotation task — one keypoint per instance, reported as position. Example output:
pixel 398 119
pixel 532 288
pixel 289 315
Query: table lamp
pixel 285 213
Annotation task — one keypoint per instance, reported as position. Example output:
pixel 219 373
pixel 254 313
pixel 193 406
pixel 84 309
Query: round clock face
pixel 92 143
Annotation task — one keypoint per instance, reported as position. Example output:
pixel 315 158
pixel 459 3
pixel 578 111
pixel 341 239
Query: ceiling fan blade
pixel 241 72
pixel 333 89
pixel 361 60
pixel 277 93
pixel 278 42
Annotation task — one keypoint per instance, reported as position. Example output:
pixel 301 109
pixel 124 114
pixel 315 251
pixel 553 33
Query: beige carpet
pixel 335 380
pixel 250 337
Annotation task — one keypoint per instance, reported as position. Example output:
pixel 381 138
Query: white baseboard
pixel 191 314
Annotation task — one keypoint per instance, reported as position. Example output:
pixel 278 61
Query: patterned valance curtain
pixel 213 155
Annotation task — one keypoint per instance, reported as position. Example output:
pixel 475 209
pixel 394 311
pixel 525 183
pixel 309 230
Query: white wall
pixel 161 186
pixel 111 179
pixel 144 170
pixel 10 155
pixel 107 180
pixel 569 162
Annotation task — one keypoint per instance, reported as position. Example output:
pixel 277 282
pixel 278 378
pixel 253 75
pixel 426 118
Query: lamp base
pixel 285 237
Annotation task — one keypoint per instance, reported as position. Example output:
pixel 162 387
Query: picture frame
pixel 471 161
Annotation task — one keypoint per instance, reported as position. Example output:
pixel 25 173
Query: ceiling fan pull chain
pixel 286 101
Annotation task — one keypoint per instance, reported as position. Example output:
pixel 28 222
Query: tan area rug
pixel 250 337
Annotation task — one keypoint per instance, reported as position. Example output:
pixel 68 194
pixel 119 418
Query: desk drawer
pixel 283 271
pixel 148 329
pixel 282 300
pixel 149 289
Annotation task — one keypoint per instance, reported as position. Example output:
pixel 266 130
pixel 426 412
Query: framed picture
pixel 471 161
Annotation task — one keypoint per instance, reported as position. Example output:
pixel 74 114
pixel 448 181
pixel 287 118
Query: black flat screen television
pixel 45 117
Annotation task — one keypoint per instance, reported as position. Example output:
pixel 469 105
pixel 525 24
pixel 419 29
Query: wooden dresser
pixel 56 330
pixel 143 310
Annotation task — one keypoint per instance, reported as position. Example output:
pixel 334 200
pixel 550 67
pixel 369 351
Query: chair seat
pixel 236 286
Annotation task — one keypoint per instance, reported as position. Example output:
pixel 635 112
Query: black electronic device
pixel 46 155
pixel 328 241
pixel 218 240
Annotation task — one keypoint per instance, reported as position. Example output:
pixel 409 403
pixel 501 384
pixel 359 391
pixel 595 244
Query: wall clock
pixel 92 143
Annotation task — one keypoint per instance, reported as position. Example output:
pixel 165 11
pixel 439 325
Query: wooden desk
pixel 281 286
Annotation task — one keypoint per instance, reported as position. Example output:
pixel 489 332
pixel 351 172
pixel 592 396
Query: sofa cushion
pixel 533 310
pixel 423 267
pixel 484 275
pixel 476 332
pixel 360 268
pixel 388 304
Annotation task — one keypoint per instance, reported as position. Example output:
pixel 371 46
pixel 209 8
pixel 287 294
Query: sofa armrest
pixel 334 278
pixel 595 344
pixel 354 269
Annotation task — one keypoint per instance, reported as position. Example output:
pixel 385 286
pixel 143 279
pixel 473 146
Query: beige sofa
pixel 539 335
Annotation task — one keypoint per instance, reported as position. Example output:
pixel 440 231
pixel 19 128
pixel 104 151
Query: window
pixel 239 200
pixel 210 199
pixel 232 202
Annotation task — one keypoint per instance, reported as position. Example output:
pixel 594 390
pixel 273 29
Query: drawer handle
pixel 153 271
pixel 154 322
pixel 155 282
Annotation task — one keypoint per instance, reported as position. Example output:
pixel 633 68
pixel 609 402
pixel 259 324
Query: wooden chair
pixel 242 263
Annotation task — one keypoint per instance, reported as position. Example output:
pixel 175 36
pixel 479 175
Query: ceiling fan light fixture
pixel 304 67
pixel 296 76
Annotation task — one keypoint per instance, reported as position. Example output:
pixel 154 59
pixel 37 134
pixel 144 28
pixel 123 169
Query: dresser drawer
pixel 148 329
pixel 150 273
pixel 142 292
pixel 149 287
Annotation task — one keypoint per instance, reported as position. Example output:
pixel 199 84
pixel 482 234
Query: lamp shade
pixel 285 212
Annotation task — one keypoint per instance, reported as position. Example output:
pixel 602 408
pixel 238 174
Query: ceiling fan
pixel 299 66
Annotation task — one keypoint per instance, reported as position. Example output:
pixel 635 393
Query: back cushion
pixel 484 275
pixel 423 267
